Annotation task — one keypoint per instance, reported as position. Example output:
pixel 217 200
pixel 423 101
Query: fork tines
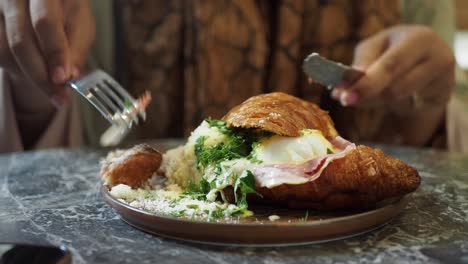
pixel 111 99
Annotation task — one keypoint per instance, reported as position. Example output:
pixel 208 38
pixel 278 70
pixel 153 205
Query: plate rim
pixel 259 245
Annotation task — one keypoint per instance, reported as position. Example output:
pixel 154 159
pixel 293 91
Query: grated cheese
pixel 169 201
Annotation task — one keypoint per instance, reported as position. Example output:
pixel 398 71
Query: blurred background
pixel 461 35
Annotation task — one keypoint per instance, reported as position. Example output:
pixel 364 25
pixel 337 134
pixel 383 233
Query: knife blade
pixel 329 73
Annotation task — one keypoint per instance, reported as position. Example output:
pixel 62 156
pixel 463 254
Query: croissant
pixel 359 179
pixel 303 164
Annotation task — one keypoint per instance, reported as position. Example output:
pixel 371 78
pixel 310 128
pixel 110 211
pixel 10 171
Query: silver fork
pixel 113 102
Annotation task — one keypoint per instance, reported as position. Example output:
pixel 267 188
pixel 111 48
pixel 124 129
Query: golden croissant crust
pixel 362 178
pixel 281 114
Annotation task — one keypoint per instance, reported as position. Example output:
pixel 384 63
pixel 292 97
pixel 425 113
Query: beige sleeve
pixel 64 129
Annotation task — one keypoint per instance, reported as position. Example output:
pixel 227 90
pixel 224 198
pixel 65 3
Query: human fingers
pixel 365 53
pixel 412 82
pixel 369 50
pixel 418 79
pixel 433 96
pixel 403 52
pixel 47 19
pixel 416 89
pixel 7 61
pixel 81 30
pixel 23 45
pixel 439 63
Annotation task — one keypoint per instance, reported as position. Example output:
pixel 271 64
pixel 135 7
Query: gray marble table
pixel 53 197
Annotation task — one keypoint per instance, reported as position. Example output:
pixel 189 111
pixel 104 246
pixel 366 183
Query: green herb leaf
pixel 197 190
pixel 192 206
pixel 245 183
pixel 220 124
pixel 173 203
pixel 224 151
pixel 216 214
pixel 241 211
pixel 198 148
pixel 177 214
pixel 239 144
pixel 128 104
pixel 234 148
pixel 329 151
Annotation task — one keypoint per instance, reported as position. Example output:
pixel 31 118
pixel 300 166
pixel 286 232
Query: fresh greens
pixel 234 148
pixel 212 215
pixel 253 135
pixel 253 155
pixel 199 150
pixel 177 214
pixel 220 124
pixel 239 144
pixel 329 151
pixel 244 185
pixel 197 190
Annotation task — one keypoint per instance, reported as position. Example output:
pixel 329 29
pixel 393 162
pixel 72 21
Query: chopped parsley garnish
pixel 177 214
pixel 234 148
pixel 197 190
pixel 220 124
pixel 249 135
pixel 173 203
pixel 239 144
pixel 212 215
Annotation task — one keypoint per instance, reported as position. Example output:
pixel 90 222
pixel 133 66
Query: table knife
pixel 329 73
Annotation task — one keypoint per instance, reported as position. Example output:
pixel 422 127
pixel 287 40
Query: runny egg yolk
pixel 281 149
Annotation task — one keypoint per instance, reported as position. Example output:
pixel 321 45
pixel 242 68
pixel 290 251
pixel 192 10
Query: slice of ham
pixel 272 175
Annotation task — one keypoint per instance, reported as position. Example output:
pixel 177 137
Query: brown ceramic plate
pixel 293 227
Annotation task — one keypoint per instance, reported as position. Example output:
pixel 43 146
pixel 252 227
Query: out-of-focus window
pixel 461 36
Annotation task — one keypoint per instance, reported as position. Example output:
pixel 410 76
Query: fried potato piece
pixel 281 114
pixel 133 167
pixel 361 179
